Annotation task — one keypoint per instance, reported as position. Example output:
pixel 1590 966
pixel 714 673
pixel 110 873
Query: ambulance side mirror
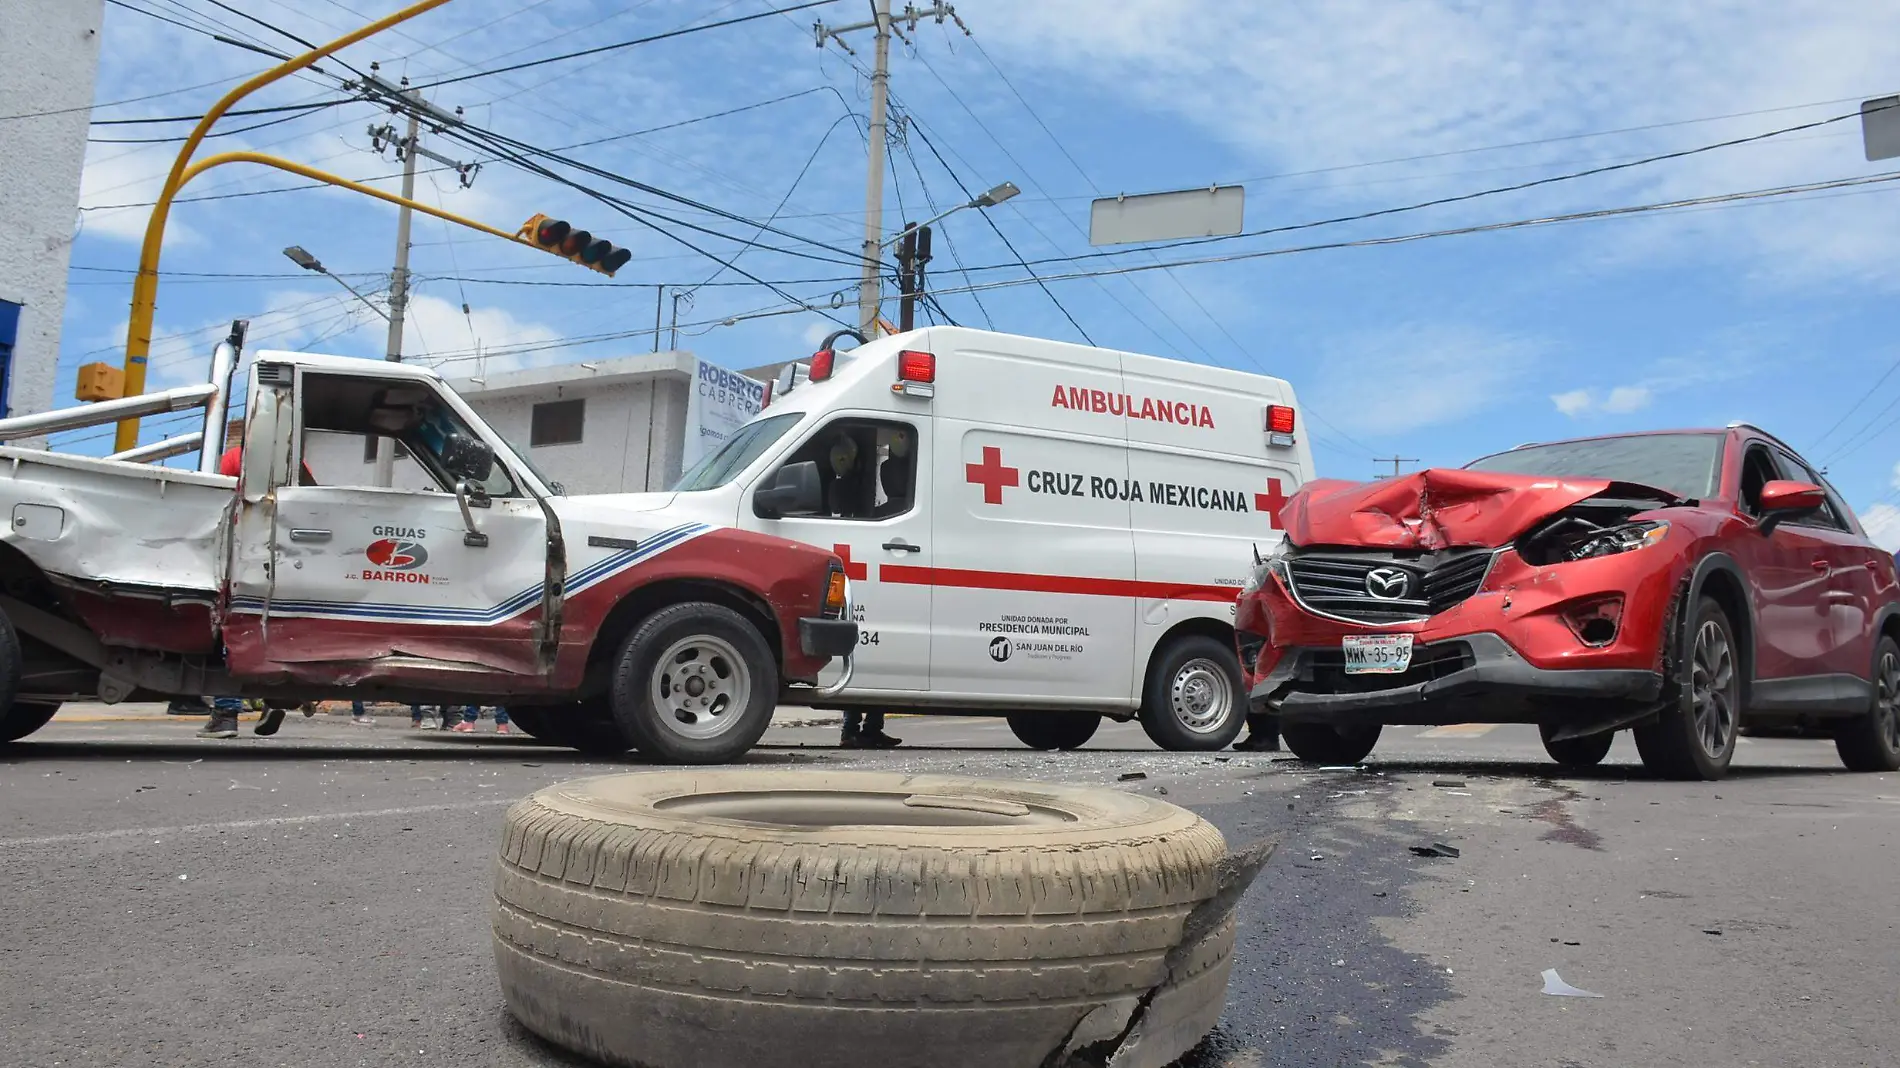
pixel 793 490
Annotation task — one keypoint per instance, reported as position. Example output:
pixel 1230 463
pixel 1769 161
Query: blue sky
pixel 1776 312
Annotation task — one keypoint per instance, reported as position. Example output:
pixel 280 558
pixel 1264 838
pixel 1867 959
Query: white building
pixel 622 425
pixel 49 61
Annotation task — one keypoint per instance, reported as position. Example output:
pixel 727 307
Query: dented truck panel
pixel 171 581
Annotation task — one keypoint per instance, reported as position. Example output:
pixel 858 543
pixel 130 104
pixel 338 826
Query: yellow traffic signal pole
pixel 138 335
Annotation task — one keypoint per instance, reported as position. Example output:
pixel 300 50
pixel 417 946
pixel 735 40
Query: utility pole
pixel 870 284
pixel 407 149
pixel 673 341
pixel 1395 461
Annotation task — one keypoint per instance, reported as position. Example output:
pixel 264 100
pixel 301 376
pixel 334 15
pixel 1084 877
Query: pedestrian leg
pixel 853 726
pixel 501 721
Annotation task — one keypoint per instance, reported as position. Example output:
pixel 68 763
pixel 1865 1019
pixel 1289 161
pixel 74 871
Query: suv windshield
pixel 1684 464
pixel 718 468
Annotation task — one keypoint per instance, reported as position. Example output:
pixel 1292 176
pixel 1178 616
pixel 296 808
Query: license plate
pixel 1377 654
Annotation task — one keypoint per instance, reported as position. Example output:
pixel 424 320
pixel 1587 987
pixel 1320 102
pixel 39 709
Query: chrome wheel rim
pixel 1201 696
pixel 700 687
pixel 1712 690
pixel 1887 700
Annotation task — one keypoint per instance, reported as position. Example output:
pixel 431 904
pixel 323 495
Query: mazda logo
pixel 1388 583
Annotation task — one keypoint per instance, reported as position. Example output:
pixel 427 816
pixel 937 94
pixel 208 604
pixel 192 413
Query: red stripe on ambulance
pixel 914 575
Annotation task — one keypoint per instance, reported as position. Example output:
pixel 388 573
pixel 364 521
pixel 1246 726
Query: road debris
pixel 1436 849
pixel 1453 783
pixel 1131 776
pixel 1556 987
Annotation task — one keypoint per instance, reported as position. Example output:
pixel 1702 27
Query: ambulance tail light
pixel 916 374
pixel 1280 421
pixel 766 400
pixel 821 363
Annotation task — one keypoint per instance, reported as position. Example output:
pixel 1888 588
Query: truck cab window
pixel 343 416
pixel 868 468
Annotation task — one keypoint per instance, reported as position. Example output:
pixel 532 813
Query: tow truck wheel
pixel 25 717
pixel 1193 700
pixel 1054 730
pixel 695 683
pixel 587 726
pixel 1585 752
pixel 1323 743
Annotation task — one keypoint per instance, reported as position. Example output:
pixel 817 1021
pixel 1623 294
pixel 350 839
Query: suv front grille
pixel 1341 585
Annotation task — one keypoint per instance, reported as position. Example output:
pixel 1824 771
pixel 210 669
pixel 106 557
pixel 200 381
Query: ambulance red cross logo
pixel 396 554
pixel 991 474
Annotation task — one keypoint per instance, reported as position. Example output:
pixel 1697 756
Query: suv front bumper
pixel 1475 678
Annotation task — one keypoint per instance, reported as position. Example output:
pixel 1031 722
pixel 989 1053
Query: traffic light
pixel 583 248
pixel 99 382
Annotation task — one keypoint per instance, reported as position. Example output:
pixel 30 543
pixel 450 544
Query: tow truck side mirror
pixel 467 457
pixel 794 490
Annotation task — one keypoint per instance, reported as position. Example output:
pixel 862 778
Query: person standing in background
pixel 472 714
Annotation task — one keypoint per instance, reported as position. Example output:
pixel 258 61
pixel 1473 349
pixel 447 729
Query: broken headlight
pixel 1262 566
pixel 1609 541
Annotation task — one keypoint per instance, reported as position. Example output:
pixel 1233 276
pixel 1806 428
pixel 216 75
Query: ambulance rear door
pixel 1213 479
pixel 1033 553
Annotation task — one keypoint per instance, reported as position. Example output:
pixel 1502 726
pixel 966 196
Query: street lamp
pixel 310 263
pixel 983 200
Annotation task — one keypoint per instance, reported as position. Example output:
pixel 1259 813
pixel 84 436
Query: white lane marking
pixel 245 825
pixel 1460 730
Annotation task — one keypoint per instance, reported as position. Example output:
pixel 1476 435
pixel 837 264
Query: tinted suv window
pixel 1830 514
pixel 1684 464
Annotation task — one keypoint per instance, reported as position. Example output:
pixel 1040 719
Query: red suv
pixel 1684 584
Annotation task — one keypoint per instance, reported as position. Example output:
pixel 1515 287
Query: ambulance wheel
pixel 695 683
pixel 1323 743
pixel 1193 701
pixel 1054 730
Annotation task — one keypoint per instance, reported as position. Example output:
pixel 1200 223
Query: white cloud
pixel 1882 524
pixel 1441 374
pixel 1619 400
pixel 1573 403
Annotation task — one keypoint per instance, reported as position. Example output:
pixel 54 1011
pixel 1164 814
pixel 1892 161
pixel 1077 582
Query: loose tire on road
pixel 1195 699
pixel 786 919
pixel 695 683
pixel 1323 743
pixel 1871 741
pixel 1054 730
pixel 1585 752
pixel 1694 735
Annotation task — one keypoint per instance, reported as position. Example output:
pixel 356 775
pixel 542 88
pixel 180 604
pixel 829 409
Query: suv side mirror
pixel 1784 499
pixel 467 457
pixel 794 490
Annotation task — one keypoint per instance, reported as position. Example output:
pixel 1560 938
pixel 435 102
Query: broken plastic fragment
pixel 1436 849
pixel 1131 776
pixel 1556 987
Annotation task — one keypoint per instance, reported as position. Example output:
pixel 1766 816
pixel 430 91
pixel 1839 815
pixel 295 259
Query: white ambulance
pixel 1035 529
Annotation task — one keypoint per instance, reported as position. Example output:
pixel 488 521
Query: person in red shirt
pixel 232 462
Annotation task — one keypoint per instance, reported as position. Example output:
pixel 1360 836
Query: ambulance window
pixel 747 444
pixel 867 467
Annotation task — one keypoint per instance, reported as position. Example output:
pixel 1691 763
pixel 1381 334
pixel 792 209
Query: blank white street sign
pixel 1214 211
pixel 1880 127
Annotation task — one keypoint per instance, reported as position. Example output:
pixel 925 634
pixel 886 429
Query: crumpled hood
pixel 1438 508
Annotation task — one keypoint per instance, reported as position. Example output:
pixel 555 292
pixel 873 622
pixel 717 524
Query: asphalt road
pixel 319 898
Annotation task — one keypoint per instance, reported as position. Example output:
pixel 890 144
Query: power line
pixel 625 44
pixel 793 188
pixel 1400 239
pixel 1004 238
pixel 216 133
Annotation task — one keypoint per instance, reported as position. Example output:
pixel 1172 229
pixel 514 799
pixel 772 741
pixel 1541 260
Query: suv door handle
pixel 903 546
pixel 309 535
pixel 1820 564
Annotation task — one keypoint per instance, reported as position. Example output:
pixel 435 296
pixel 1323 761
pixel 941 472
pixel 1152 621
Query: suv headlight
pixel 1257 575
pixel 1611 541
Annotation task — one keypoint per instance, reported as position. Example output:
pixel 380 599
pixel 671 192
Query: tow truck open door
pixel 440 576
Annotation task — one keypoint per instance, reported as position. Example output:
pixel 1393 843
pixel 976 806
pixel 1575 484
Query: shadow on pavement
pixel 225 751
pixel 1545 771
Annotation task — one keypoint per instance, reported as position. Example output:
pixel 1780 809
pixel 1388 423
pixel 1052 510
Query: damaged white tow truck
pixel 600 626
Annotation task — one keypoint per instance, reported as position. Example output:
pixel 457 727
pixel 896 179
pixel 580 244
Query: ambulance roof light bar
pixel 826 358
pixel 1280 421
pixel 916 374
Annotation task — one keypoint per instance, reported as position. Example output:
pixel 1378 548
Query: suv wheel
pixel 1323 743
pixel 1871 740
pixel 1694 736
pixel 1585 752
pixel 695 684
pixel 1194 700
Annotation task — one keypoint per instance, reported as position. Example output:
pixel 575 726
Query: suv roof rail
pixel 1522 445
